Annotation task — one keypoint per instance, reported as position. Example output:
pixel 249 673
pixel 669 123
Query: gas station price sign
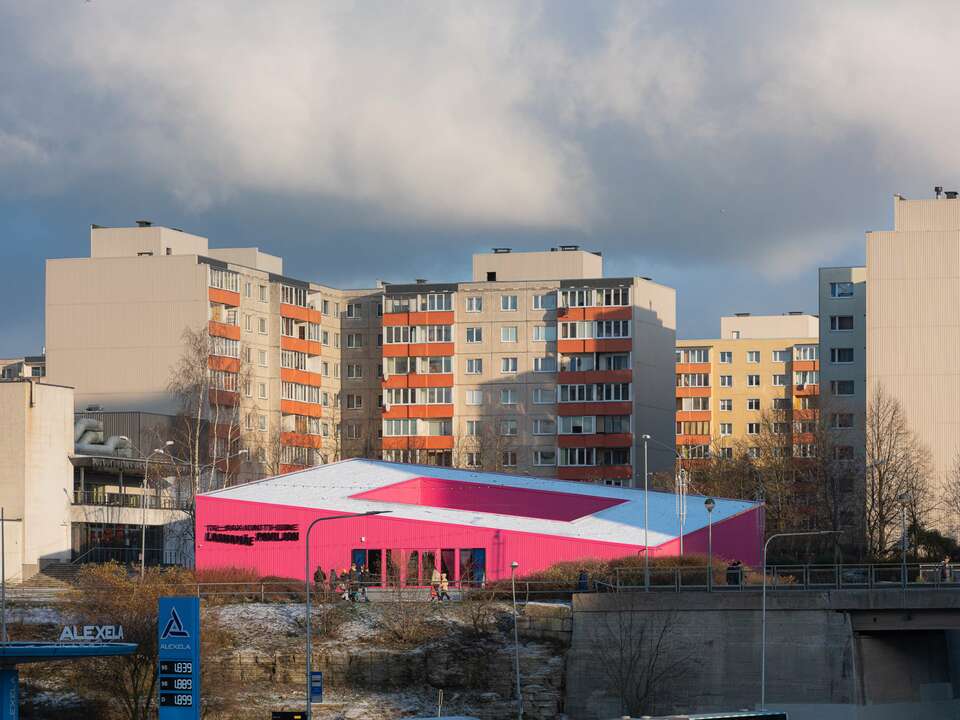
pixel 178 661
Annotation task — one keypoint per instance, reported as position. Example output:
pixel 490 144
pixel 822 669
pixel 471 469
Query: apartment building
pixel 29 366
pixel 525 370
pixel 539 365
pixel 913 325
pixel 761 375
pixel 278 347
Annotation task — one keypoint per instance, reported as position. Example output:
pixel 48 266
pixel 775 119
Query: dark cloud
pixel 726 148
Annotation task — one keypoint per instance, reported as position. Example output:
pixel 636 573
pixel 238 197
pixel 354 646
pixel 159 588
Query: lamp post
pixel 904 498
pixel 143 507
pixel 709 504
pixel 306 578
pixel 516 638
pixel 763 613
pixel 646 516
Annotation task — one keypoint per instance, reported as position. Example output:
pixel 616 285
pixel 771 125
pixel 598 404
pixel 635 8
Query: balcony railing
pixel 126 500
pixel 129 556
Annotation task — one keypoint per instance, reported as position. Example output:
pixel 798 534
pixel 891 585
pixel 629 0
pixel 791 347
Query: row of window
pixel 838 421
pixel 702 355
pixel 800 450
pixel 599 329
pixel 726 404
pixel 800 377
pixel 582 297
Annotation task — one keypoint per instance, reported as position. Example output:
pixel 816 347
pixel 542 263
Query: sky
pixel 727 149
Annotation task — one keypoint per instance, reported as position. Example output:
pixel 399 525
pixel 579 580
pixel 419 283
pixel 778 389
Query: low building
pixel 471 525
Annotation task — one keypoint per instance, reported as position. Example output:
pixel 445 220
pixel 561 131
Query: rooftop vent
pixel 938 190
pixel 742 314
pixel 795 312
pixel 94 408
pixel 499 251
pixel 569 248
pixel 421 281
pixel 951 194
pixel 144 223
pixel 94 226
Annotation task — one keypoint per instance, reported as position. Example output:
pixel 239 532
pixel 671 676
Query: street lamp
pixel 306 577
pixel 516 639
pixel 143 507
pixel 646 516
pixel 904 498
pixel 763 614
pixel 710 504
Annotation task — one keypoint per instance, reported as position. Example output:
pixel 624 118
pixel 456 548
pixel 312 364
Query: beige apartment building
pixel 538 365
pixel 913 326
pixel 762 369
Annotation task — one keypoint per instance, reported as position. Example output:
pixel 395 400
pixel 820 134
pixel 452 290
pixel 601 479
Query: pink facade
pixel 268 538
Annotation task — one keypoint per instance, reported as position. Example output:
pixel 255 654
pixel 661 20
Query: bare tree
pixel 898 467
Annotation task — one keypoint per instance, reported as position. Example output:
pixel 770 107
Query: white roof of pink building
pixel 481 499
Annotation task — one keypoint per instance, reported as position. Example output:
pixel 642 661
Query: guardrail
pixel 129 556
pixel 786 578
pixel 128 500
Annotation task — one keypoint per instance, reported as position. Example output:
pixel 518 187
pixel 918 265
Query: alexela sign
pixel 91 633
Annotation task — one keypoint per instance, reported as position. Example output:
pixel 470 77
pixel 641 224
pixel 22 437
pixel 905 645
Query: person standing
pixel 444 587
pixel 319 580
pixel 435 584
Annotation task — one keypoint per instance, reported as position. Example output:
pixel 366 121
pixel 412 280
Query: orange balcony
pixel 434 317
pixel 805 414
pixel 300 376
pixel 224 297
pixel 227 364
pixel 300 313
pixel 806 390
pixel 596 472
pixel 224 397
pixel 587 346
pixel 806 365
pixel 291 468
pixel 437 412
pixel 693 367
pixel 804 438
pixel 693 415
pixel 596 440
pixel 683 392
pixel 420 442
pixel 301 440
pixel 418 349
pixel 595 376
pixel 419 381
pixel 218 329
pixel 595 408
pixel 295 407
pixel 310 347
pixel 693 439
pixel 594 313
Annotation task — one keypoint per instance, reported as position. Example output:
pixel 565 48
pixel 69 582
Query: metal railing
pixel 129 556
pixel 785 578
pixel 128 500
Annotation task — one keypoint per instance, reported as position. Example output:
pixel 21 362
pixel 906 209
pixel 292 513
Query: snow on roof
pixel 336 486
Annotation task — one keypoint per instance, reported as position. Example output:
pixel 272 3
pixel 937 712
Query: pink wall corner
pixel 737 538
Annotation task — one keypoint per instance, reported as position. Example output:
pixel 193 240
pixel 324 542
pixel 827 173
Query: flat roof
pixel 481 499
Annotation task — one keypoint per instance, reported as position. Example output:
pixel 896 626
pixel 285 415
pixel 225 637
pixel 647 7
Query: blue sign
pixel 9 694
pixel 316 687
pixel 178 658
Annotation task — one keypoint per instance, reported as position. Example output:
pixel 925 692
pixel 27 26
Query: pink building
pixel 471 524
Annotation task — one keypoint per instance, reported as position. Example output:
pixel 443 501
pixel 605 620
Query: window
pixel 693 380
pixel 508 428
pixel 781 356
pixel 544 396
pixel 436 301
pixel 611 329
pixel 693 355
pixel 324 307
pixel 841 387
pixel 607 424
pixel 781 428
pixel 781 403
pixel 577 456
pixel 508 334
pixel 726 356
pixel 693 427
pixel 753 428
pixel 262 391
pixel 509 458
pixel 544 333
pixel 247 289
pixel 806 352
pixel 577 425
pixel 508 302
pixel 695 452
pixel 804 451
pixel 262 423
pixel 543 457
pixel 726 381
pixel 544 426
pixel 262 358
pixel 726 429
pixel 475 304
pixel 508 397
pixel 262 325
pixel 336 339
pixel 474 334
pixel 548 301
pixel 753 403
pixel 508 365
pixel 806 377
pixel 223 380
pixel 393 334
pixel 726 405
pixel 354 371
pixel 841 289
pixel 354 340
pixel 224 279
pixel 224 347
pixel 753 452
pixel 264 294
pixel 248 323
pixel 613 296
pixel 693 403
pixel 248 421
pixel 545 364
pixel 576 298
pixel 611 361
pixel 753 381
pixel 841 355
pixel 474 366
pixel 354 310
pixel 291 295
pixel 805 426
pixel 753 356
pixel 474 397
pixel 841 322
pixel 779 380
pixel 301 393
pixel 404 427
pixel 354 402
pixel 472 459
pixel 473 428
pixel 576 330
pixel 433 365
